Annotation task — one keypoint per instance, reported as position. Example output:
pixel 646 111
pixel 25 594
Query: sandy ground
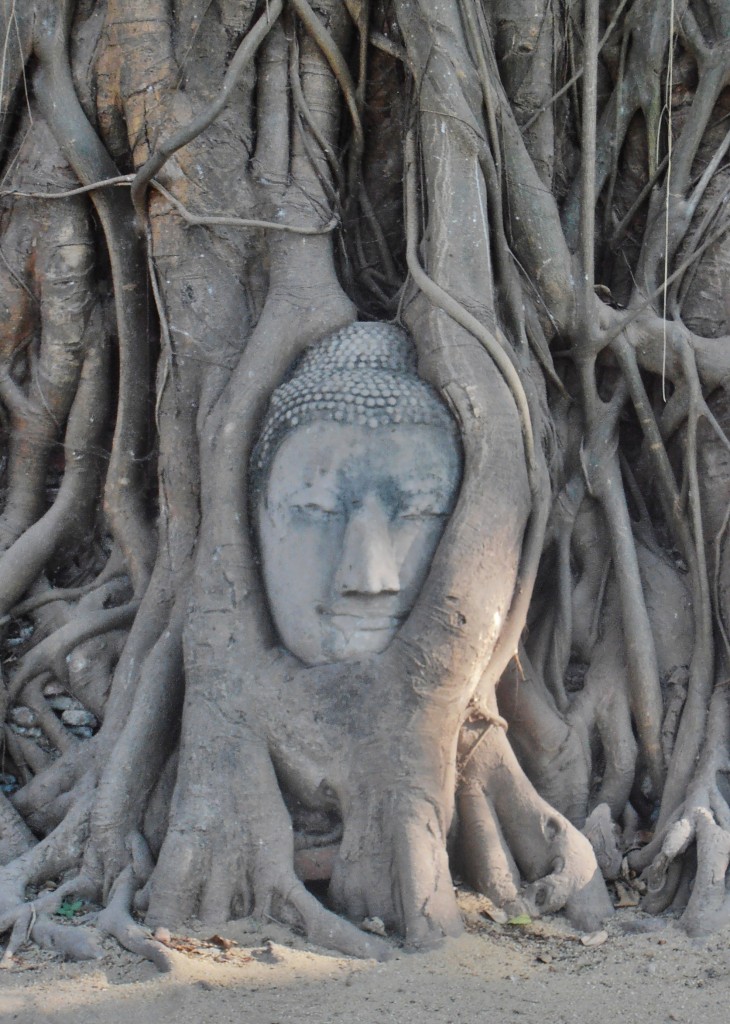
pixel 538 973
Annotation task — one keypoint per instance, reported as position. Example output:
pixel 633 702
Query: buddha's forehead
pixel 355 458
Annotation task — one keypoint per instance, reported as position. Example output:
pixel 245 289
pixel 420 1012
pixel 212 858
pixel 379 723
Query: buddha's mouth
pixel 362 622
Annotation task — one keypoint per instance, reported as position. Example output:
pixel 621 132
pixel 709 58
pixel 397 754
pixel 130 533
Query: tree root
pixel 32 921
pixel 703 820
pixel 552 752
pixel 15 836
pixel 517 849
pixel 116 920
pixel 217 870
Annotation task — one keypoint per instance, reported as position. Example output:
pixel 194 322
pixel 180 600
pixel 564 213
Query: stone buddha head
pixel 354 475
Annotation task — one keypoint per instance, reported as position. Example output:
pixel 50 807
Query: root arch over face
pixel 190 200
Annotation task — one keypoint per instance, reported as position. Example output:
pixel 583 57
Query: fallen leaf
pixel 70 908
pixel 183 947
pixel 521 919
pixel 220 940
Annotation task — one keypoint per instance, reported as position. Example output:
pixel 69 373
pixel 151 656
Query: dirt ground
pixel 537 973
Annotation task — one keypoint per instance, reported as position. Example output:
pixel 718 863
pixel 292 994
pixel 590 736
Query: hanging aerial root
pixel 124 488
pixel 241 59
pixel 23 562
pixel 604 481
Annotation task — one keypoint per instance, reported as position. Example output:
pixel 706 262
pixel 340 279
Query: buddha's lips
pixel 359 622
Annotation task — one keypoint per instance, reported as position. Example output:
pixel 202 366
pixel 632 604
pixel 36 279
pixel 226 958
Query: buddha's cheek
pixel 299 561
pixel 415 544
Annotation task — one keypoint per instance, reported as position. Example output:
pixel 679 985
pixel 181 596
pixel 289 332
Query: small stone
pixel 64 703
pixel 24 716
pixel 33 732
pixel 8 783
pixel 75 717
pixel 594 938
pixel 83 732
pixel 374 925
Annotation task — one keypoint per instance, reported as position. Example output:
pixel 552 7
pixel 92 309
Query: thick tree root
pixel 517 849
pixel 238 858
pixel 703 820
pixel 116 920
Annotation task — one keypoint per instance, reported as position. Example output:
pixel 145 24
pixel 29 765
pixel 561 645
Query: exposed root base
pixel 518 850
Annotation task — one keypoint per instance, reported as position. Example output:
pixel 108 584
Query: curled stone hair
pixel 364 374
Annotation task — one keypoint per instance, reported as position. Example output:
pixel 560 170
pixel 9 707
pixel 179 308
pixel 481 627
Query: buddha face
pixel 348 523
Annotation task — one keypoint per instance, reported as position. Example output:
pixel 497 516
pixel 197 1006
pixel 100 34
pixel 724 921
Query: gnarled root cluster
pixel 515 847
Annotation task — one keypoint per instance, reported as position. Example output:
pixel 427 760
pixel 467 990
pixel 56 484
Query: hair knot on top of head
pixel 363 374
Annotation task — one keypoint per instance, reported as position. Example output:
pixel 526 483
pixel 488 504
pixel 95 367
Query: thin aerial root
pixel 241 59
pixel 336 62
pixel 230 220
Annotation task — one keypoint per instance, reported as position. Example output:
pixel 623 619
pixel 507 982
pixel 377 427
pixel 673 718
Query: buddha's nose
pixel 368 564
